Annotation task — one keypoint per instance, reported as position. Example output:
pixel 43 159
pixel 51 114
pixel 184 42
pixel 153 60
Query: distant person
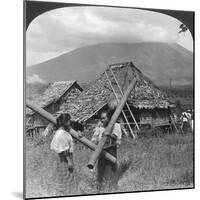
pixel 185 118
pixel 189 115
pixel 105 169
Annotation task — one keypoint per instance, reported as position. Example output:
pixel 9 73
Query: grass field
pixel 149 163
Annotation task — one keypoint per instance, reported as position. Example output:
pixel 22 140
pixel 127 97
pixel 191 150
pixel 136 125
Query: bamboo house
pixel 56 97
pixel 149 105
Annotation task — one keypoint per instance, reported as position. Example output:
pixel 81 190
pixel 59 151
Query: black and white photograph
pixel 109 99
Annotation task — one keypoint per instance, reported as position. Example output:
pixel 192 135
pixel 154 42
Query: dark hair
pixel 62 119
pixel 77 126
pixel 109 113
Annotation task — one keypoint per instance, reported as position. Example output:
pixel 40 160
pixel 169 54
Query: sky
pixel 65 29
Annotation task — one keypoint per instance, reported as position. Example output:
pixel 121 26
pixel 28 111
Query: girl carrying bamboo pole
pixel 62 144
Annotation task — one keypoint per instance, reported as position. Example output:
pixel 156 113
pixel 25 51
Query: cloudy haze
pixel 65 29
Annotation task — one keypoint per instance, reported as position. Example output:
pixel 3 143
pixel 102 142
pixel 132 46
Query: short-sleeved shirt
pixel 62 141
pixel 98 133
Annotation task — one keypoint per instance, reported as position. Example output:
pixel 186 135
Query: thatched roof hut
pixel 145 95
pixel 54 97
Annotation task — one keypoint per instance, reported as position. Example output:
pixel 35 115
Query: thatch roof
pixel 53 93
pixel 98 93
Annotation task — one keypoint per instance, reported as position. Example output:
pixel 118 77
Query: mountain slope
pixel 159 61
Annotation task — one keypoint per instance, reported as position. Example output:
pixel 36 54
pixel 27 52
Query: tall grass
pixel 150 163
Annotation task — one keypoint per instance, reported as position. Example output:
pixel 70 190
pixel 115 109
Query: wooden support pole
pixel 73 133
pixel 173 122
pixel 95 155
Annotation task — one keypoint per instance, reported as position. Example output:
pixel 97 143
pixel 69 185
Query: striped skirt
pixel 65 179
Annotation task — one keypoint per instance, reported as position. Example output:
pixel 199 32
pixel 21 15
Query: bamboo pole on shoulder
pixel 95 155
pixel 74 134
pixel 122 109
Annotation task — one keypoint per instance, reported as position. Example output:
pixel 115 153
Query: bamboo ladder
pixel 120 91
